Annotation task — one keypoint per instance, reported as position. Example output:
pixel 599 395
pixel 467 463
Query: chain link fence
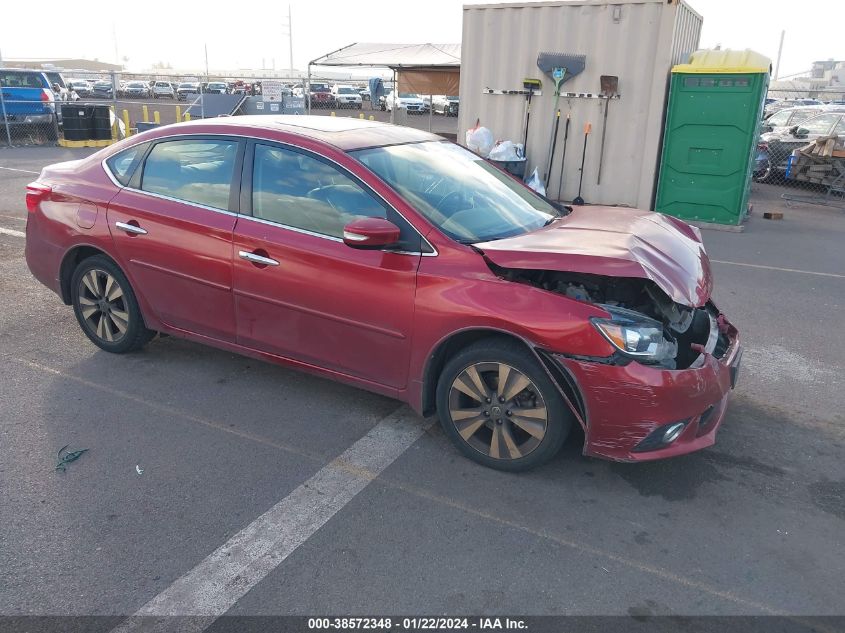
pixel 94 109
pixel 800 149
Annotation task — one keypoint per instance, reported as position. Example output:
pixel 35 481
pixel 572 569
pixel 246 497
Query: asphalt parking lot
pixel 187 446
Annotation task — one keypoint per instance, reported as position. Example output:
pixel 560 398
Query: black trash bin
pixel 76 122
pixel 100 122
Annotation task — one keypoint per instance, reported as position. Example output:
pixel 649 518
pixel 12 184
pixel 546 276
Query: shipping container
pixel 636 40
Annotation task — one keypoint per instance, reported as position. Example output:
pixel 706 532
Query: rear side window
pixel 123 164
pixel 23 80
pixel 820 124
pixel 198 171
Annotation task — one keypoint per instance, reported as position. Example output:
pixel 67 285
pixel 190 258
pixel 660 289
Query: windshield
pixel 466 197
pixel 407 95
pixel 347 91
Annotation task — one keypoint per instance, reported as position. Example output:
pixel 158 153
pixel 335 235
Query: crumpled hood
pixel 615 242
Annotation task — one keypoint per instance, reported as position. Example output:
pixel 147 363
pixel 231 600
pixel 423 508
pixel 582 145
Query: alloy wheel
pixel 498 410
pixel 103 305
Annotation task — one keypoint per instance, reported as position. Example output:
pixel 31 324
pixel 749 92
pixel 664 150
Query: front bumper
pixel 624 404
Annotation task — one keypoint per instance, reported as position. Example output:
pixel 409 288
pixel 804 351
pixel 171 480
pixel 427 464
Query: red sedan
pixel 387 258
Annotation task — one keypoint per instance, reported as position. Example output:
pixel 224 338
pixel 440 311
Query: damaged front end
pixel 643 324
pixel 664 390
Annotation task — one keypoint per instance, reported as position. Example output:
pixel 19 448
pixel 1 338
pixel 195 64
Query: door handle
pixel 130 228
pixel 257 259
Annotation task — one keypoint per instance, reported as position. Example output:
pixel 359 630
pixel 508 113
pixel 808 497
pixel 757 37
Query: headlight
pixel 635 335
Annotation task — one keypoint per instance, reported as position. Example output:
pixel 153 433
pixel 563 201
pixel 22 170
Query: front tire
pixel 106 308
pixel 500 408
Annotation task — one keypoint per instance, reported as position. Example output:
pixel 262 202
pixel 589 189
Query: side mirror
pixel 370 233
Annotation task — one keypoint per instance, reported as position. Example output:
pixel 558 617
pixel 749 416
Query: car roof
pixel 345 133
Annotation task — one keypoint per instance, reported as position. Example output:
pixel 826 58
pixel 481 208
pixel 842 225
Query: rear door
pixel 172 228
pixel 300 292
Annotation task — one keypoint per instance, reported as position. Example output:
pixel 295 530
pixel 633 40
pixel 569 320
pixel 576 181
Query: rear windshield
pixel 22 80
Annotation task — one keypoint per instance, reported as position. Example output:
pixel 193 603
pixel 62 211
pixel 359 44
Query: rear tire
pixel 513 426
pixel 106 308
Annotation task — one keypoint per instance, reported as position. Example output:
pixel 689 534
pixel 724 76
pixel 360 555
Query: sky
pixel 176 32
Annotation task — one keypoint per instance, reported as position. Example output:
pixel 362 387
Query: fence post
pixel 114 88
pixel 5 120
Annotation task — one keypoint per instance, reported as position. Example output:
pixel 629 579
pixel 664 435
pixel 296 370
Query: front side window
pixel 198 171
pixel 466 197
pixel 302 192
pixel 779 118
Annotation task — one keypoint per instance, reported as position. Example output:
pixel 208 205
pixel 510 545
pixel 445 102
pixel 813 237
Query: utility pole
pixel 114 37
pixel 780 50
pixel 206 62
pixel 290 41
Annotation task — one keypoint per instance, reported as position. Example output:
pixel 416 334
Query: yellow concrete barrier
pixel 187 116
pixel 157 117
pixel 146 114
pixel 333 113
pixel 126 121
pixel 361 116
pixel 372 118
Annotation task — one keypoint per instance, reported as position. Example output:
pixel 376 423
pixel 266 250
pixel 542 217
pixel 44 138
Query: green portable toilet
pixel 712 126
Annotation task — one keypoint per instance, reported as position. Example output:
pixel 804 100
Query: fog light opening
pixel 673 432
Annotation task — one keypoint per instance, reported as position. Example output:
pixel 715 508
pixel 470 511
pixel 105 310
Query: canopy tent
pixel 428 69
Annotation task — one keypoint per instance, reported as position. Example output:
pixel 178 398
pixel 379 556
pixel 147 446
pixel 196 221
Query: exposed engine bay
pixel 688 332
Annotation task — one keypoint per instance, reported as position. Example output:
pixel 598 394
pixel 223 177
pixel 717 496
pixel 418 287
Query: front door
pixel 300 292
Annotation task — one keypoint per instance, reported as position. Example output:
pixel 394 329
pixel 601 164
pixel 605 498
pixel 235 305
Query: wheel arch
pixel 448 347
pixel 71 260
pixel 456 341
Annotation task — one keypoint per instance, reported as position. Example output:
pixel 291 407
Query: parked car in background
pixel 187 88
pixel 446 105
pixel 28 100
pixel 364 93
pixel 163 89
pixel 390 259
pixel 102 90
pixel 217 87
pixel 789 116
pixel 777 146
pixel 320 96
pixel 346 96
pixel 82 87
pixel 137 90
pixel 408 101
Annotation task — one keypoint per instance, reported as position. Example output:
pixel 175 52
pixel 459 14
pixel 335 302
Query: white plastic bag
pixel 503 151
pixel 480 140
pixel 536 183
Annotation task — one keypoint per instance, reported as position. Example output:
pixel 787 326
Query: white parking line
pixel 12 232
pixel 783 270
pixel 218 582
pixel 23 171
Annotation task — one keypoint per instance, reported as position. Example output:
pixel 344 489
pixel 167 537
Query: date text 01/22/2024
pixel 416 624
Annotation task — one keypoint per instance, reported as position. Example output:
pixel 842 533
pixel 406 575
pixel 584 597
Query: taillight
pixel 46 95
pixel 36 192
